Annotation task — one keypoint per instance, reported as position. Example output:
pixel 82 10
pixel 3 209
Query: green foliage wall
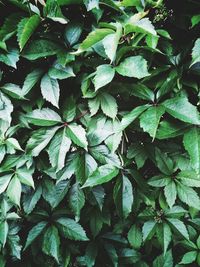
pixel 99 133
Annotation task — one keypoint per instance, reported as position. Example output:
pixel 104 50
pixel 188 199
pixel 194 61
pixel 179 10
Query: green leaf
pixel 58 148
pixel 111 41
pixel 30 200
pixel 31 80
pixel 10 58
pixel 54 194
pixel 164 162
pixel 25 176
pixel 164 236
pixel 34 233
pixel 91 4
pixel 123 196
pixel 12 142
pixel 102 154
pixel 189 257
pixel 191 141
pixel 44 117
pixel 189 178
pixel 69 109
pixel 135 66
pixel 51 242
pixel 148 230
pixel 135 236
pixel 131 116
pixel 58 71
pixel 71 229
pixel 26 28
pixel 141 26
pixel 170 193
pixel 93 38
pixel 195 20
pixel 53 11
pixel 179 226
pixel 103 75
pixel 76 200
pixel 141 91
pixel 188 196
pixel 6 108
pixel 77 134
pixel 159 180
pixel 40 48
pixel 108 105
pixel 4 181
pixel 50 90
pixel 149 120
pixel 4 229
pixel 13 90
pixel 14 190
pixel 39 140
pixel 180 108
pixel 9 26
pixel 72 32
pixel 195 52
pixel 102 175
pixel 85 166
pixel 169 129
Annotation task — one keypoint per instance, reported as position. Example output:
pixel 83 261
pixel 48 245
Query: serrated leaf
pixel 58 148
pixel 149 120
pixel 111 41
pixel 58 71
pixel 102 175
pixel 179 226
pixel 76 200
pixel 10 58
pixel 13 90
pixel 191 141
pixel 143 25
pixel 41 48
pixel 25 176
pixel 50 90
pixel 30 200
pixel 77 134
pixel 188 196
pixel 135 236
pixel 26 28
pixel 108 105
pixel 103 76
pixel 195 52
pixel 43 117
pixel 189 178
pixel 131 116
pixel 39 140
pixel 34 233
pixel 135 66
pixel 14 190
pixel 170 193
pixel 71 229
pixel 123 196
pixel 164 162
pixel 189 257
pixel 51 242
pixel 4 181
pixel 31 80
pixel 72 32
pixel 148 230
pixel 54 193
pixel 3 232
pixel 180 108
pixel 92 38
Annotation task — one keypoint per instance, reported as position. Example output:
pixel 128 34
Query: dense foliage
pixel 99 133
